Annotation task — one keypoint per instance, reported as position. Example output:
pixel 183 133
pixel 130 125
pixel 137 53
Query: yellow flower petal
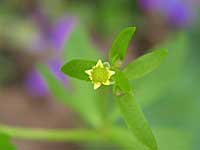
pixel 111 72
pixel 99 64
pixel 106 83
pixel 89 72
pixel 97 85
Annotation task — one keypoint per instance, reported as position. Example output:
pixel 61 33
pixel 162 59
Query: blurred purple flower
pixel 35 83
pixel 55 38
pixel 60 32
pixel 54 66
pixel 179 12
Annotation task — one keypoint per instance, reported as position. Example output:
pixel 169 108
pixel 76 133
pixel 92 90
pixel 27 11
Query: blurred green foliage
pixel 169 96
pixel 5 143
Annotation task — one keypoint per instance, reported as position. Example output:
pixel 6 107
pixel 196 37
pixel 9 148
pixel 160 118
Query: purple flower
pixel 61 31
pixel 179 12
pixel 54 66
pixel 57 35
pixel 35 84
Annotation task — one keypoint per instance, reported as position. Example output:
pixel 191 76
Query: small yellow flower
pixel 100 74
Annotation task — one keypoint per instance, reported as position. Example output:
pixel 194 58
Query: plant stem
pixel 77 135
pixel 119 136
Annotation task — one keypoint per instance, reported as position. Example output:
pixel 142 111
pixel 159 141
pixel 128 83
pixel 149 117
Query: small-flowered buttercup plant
pixel 82 99
pixel 111 73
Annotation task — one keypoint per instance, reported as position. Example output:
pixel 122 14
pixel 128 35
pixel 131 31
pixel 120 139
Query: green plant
pixel 92 105
pixel 121 87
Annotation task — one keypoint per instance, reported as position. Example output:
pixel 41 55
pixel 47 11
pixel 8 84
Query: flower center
pixel 100 74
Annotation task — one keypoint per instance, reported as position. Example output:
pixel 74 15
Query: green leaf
pixel 145 64
pixel 120 45
pixel 135 119
pixel 121 81
pixel 76 68
pixel 167 75
pixel 5 143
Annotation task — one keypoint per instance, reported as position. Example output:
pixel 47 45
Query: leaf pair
pixel 130 111
pixel 134 70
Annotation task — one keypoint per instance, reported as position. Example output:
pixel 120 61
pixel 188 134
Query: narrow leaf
pixel 76 68
pixel 135 119
pixel 120 45
pixel 144 64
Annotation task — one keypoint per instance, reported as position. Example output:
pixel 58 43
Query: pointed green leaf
pixel 120 45
pixel 167 75
pixel 76 68
pixel 144 64
pixel 5 142
pixel 135 119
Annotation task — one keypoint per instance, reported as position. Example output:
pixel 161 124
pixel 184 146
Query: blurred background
pixel 51 32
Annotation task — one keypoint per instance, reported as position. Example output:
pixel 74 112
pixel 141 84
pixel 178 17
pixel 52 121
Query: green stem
pixel 119 136
pixel 77 135
pixel 103 104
